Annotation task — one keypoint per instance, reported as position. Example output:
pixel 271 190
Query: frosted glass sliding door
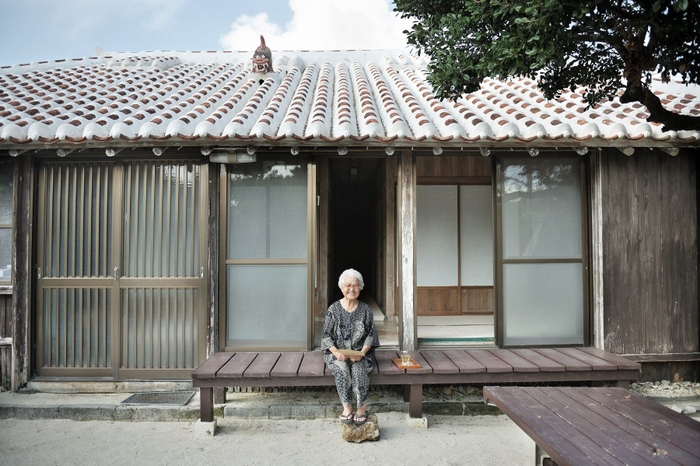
pixel 267 256
pixel 542 252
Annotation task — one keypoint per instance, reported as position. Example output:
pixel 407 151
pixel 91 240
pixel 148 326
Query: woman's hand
pixel 338 355
pixel 356 358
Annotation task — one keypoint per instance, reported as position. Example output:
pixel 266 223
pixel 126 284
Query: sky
pixel 37 30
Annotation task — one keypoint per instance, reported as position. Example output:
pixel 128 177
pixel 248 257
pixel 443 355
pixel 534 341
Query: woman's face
pixel 351 288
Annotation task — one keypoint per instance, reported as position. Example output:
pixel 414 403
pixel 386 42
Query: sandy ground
pixel 450 440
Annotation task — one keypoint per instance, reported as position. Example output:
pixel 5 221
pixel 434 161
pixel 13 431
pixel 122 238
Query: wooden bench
pixel 478 366
pixel 584 425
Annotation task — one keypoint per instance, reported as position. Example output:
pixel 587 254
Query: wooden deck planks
pixel 619 443
pixel 440 363
pixel 544 363
pixel 596 363
pixel 210 367
pixel 659 425
pixel 425 366
pixel 622 363
pixel 444 363
pixel 464 362
pixel 516 361
pixel 287 365
pixel 584 425
pixel 546 430
pixel 492 363
pixel 571 364
pixel 237 365
pixel 312 365
pixel 385 365
pixel 262 365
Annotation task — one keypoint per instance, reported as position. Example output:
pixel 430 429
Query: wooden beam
pixel 407 225
pixel 663 357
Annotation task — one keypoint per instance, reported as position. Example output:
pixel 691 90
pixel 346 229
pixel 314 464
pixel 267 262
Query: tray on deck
pixel 411 365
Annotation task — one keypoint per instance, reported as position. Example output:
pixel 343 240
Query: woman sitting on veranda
pixel 350 325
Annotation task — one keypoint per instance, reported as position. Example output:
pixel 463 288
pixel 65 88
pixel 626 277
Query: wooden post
pixel 322 280
pixel 206 404
pixel 21 270
pixel 215 178
pixel 390 240
pixel 415 402
pixel 597 284
pixel 407 223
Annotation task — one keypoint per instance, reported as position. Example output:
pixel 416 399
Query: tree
pixel 604 46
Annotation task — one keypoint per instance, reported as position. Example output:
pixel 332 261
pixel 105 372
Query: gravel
pixel 666 389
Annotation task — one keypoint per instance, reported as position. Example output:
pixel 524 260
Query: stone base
pixel 419 422
pixel 367 431
pixel 204 429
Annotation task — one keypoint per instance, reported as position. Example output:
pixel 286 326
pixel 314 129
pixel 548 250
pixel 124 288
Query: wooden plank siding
pixel 650 257
pixel 6 332
pixel 453 169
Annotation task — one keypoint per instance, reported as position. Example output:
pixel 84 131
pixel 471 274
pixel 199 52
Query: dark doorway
pixel 354 197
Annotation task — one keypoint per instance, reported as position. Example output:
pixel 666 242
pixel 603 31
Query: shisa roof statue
pixel 262 58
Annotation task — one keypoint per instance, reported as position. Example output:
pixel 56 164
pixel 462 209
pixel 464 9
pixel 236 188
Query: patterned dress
pixel 350 330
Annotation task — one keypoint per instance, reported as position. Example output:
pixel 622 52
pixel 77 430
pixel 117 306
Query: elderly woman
pixel 349 325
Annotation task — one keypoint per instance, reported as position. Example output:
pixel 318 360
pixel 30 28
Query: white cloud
pixel 323 25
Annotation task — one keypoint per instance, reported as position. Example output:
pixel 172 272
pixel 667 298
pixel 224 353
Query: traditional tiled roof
pixel 352 98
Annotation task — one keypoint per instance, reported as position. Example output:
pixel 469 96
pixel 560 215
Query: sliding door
pixel 542 251
pixel 268 255
pixel 121 269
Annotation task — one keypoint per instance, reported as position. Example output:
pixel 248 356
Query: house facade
pixel 159 207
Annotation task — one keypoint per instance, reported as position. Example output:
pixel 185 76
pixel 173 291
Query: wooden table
pixel 610 426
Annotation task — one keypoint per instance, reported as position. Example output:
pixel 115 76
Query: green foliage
pixel 603 45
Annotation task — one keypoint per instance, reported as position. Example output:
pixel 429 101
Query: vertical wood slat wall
pixel 76 320
pixel 5 331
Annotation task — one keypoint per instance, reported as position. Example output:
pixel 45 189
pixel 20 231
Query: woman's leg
pixel 360 385
pixel 343 383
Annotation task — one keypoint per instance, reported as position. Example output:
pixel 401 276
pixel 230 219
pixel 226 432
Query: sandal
pixel 361 419
pixel 347 418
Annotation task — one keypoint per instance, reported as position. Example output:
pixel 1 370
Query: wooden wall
pixel 5 332
pixel 650 256
pixel 446 301
pixel 453 168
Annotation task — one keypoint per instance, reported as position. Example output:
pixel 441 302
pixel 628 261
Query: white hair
pixel 351 273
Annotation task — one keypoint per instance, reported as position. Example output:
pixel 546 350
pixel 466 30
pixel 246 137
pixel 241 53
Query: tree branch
pixel 657 113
